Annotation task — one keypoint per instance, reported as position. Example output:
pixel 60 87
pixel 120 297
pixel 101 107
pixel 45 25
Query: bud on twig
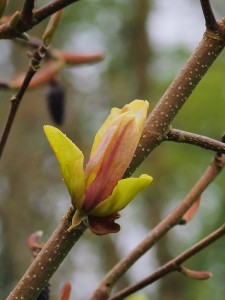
pixel 71 58
pixel 45 75
pixel 195 274
pixel 14 19
pixel 51 27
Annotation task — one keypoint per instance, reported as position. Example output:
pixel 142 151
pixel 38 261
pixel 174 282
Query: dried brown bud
pixel 55 96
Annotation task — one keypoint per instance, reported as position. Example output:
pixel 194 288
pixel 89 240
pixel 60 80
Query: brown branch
pixel 38 54
pixel 176 95
pixel 172 265
pixel 210 20
pixel 180 136
pixel 8 32
pixel 49 9
pixel 156 127
pixel 27 11
pixel 48 260
pixel 105 287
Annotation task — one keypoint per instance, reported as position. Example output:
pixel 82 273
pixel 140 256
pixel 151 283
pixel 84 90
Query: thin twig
pixel 38 54
pixel 180 136
pixel 49 9
pixel 27 11
pixel 48 260
pixel 172 265
pixel 210 20
pixel 7 32
pixel 105 287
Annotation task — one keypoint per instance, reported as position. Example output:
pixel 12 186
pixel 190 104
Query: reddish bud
pixel 71 58
pixel 55 97
pixel 46 74
pixel 190 213
pixel 65 291
pixel 51 27
pixel 195 274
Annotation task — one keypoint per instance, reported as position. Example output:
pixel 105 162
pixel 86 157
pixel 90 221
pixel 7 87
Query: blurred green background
pixel 145 44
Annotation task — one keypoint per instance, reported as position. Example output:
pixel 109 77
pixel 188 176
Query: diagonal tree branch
pixel 180 136
pixel 48 260
pixel 210 20
pixel 172 265
pixel 106 285
pixel 159 120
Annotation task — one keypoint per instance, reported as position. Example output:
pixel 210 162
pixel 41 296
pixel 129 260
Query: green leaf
pixel 70 160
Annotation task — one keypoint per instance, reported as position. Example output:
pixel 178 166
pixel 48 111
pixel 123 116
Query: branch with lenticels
pixel 104 289
pixel 180 136
pixel 156 129
pixel 174 265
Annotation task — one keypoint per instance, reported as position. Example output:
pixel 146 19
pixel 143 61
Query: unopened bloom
pixel 99 191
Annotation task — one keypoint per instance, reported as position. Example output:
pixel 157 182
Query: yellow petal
pixel 140 109
pixel 98 137
pixel 70 160
pixel 123 193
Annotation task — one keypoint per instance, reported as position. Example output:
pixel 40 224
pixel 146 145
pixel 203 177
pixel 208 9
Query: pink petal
pixel 110 161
